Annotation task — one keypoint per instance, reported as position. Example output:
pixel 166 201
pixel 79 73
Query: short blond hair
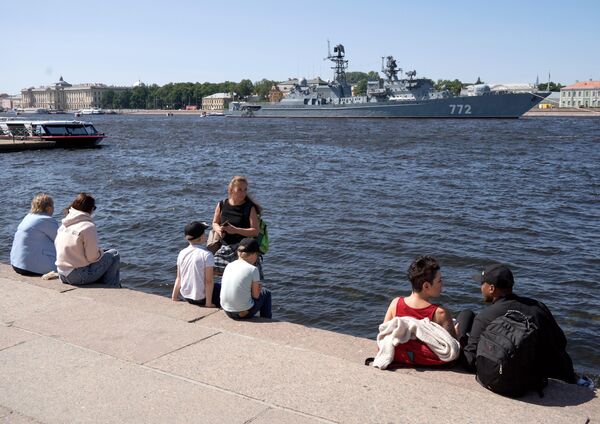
pixel 41 202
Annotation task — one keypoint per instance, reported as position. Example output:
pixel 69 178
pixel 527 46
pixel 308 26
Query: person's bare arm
pixel 216 222
pixel 391 311
pixel 209 286
pixel 444 318
pixel 176 287
pixel 255 291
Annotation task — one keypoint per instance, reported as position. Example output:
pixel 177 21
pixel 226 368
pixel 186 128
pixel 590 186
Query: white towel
pixel 399 330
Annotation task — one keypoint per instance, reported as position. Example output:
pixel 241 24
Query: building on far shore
pixel 581 94
pixel 8 102
pixel 275 95
pixel 217 101
pixel 65 96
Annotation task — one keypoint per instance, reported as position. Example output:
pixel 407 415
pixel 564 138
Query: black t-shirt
pixel 238 216
pixel 554 358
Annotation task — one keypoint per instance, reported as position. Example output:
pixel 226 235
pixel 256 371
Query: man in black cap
pixel 497 288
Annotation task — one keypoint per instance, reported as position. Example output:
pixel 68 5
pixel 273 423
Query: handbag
pixel 213 243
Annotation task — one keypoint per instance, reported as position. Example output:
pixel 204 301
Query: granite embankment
pixel 106 355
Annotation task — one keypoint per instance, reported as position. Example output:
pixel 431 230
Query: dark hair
pixel 83 202
pixel 421 270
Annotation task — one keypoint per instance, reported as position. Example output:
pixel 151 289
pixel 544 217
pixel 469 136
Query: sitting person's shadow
pixel 556 393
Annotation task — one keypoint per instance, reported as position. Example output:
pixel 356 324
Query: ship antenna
pixel 340 63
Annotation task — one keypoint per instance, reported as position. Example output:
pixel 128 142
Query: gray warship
pixel 390 97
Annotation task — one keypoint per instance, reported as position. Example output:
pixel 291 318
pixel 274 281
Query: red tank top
pixel 415 352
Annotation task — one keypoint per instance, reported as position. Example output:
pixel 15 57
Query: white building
pixel 581 94
pixel 65 96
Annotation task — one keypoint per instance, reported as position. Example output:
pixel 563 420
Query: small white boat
pixel 92 111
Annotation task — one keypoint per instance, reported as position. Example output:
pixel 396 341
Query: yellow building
pixel 217 101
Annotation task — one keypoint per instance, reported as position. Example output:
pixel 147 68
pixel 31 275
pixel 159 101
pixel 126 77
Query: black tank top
pixel 238 216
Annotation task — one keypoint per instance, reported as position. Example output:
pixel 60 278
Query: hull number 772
pixel 460 109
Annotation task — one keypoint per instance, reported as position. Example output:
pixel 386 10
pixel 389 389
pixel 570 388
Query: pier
pixel 93 354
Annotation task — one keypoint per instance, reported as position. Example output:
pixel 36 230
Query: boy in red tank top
pixel 426 280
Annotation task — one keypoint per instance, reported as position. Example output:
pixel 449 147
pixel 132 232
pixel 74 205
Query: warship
pixel 390 97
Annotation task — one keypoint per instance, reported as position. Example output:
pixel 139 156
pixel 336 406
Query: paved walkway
pixel 70 355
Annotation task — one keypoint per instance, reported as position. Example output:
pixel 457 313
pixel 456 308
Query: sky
pixel 157 42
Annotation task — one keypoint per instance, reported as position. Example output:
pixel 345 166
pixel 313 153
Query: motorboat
pixel 19 134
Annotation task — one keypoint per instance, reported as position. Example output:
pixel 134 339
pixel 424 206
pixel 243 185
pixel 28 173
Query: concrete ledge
pixel 109 355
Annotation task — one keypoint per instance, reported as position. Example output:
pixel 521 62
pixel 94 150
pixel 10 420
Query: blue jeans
pixel 103 271
pixel 262 304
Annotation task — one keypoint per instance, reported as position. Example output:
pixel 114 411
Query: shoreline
pixel 564 112
pixel 556 112
pixel 122 355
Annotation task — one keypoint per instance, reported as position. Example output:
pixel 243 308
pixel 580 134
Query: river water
pixel 349 204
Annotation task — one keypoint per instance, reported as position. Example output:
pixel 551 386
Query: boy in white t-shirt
pixel 195 263
pixel 242 295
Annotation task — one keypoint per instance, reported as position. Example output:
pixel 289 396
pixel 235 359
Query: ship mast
pixel 340 63
pixel 391 69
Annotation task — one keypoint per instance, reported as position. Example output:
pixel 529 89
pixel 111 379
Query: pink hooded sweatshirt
pixel 76 242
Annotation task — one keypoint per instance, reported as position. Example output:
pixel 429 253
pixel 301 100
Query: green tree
pixel 373 76
pixel 551 86
pixel 354 77
pixel 360 88
pixel 107 99
pixel 453 86
pixel 122 99
pixel 244 88
pixel 263 87
pixel 139 97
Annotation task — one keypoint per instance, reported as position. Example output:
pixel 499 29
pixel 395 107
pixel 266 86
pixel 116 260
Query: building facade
pixel 217 101
pixel 581 94
pixel 65 96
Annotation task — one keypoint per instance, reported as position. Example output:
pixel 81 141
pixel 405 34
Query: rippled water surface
pixel 349 203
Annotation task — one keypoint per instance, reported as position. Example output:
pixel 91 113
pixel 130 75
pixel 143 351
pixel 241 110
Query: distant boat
pixel 18 134
pixel 92 111
pixel 33 110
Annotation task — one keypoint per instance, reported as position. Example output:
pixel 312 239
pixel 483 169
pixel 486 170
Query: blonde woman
pixel 33 252
pixel 235 218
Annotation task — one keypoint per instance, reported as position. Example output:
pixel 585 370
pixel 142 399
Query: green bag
pixel 263 236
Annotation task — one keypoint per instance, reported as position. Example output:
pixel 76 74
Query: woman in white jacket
pixel 79 260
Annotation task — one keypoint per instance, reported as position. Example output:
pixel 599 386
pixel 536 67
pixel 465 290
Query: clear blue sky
pixel 119 42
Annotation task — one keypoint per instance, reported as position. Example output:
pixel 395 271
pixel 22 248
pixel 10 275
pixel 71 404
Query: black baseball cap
pixel 194 230
pixel 248 245
pixel 498 275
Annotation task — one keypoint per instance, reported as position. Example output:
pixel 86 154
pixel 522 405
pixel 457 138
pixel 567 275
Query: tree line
pixel 180 95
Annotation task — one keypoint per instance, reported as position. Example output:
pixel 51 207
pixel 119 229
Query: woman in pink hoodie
pixel 79 260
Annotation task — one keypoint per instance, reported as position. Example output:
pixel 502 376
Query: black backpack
pixel 506 356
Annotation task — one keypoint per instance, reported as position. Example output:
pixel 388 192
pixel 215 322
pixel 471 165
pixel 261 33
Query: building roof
pixel 317 81
pixel 583 85
pixel 219 96
pixel 290 81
